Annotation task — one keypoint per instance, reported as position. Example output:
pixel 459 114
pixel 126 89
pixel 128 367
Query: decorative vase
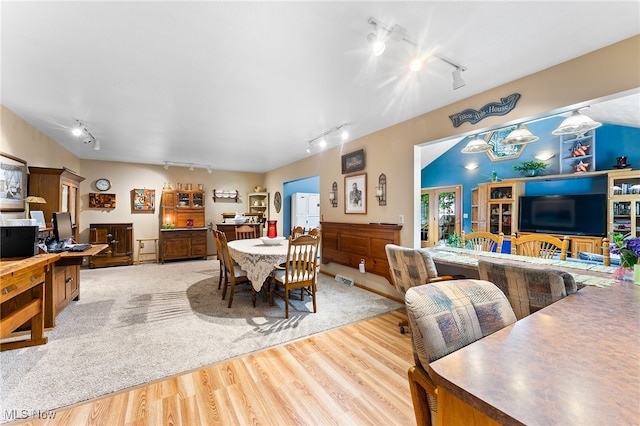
pixel 530 173
pixel 272 230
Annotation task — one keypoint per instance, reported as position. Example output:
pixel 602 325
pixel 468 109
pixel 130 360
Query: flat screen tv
pixel 583 214
pixel 62 227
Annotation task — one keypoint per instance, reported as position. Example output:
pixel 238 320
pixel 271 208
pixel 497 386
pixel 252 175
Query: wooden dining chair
pixel 300 270
pixel 234 274
pixel 314 232
pixel 542 246
pixel 483 241
pixel 297 231
pixel 244 232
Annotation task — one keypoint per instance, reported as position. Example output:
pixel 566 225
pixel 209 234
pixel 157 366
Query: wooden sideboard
pixel 349 243
pixel 183 243
pixel 229 229
pixel 118 237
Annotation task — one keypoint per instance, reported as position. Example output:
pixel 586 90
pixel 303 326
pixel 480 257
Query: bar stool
pixel 141 242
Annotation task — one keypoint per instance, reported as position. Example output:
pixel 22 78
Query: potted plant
pixel 530 168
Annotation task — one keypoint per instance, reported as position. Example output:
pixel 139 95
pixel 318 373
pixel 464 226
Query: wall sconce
pixel 381 190
pixel 333 195
pixel 544 156
pixel 471 166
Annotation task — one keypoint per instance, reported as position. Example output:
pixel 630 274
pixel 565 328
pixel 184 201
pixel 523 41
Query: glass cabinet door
pixel 624 203
pixel 64 198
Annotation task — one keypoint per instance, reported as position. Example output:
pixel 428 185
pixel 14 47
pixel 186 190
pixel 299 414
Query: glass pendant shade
pixel 576 124
pixel 519 136
pixel 476 145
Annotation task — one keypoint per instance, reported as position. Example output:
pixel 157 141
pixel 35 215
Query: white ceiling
pixel 245 85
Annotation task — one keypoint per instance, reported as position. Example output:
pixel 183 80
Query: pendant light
pixel 519 136
pixel 476 145
pixel 576 124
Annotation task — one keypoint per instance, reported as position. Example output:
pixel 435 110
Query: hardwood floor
pixel 353 375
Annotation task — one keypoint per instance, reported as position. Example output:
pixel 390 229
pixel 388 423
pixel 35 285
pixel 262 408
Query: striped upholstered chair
pixel 443 318
pixel 528 289
pixel 410 267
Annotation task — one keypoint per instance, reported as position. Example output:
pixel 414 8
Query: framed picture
pixel 355 194
pixel 143 200
pixel 102 201
pixel 39 217
pixel 13 183
pixel 353 162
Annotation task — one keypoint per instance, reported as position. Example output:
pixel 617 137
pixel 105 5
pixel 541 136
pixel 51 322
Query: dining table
pixel 257 258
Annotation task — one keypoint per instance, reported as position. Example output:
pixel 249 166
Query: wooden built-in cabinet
pixel 624 202
pixel 60 188
pixel 183 234
pixel 502 206
pixel 478 209
pixel 119 237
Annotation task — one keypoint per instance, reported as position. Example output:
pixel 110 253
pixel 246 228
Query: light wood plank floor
pixel 353 375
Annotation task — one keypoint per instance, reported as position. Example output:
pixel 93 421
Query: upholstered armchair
pixel 528 288
pixel 444 317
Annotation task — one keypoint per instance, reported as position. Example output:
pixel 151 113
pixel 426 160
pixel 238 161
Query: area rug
pixel 136 324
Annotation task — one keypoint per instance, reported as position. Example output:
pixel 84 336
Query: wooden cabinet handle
pixel 68 280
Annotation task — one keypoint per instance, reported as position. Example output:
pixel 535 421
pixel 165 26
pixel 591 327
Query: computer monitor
pixel 62 227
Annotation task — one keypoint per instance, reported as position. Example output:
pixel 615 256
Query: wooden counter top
pixel 576 361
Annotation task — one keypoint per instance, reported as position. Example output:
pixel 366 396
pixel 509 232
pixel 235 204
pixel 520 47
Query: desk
pixel 573 362
pixel 257 258
pixel 22 297
pixel 453 261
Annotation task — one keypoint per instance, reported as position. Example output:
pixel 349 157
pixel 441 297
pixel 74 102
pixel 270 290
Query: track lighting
pixel 458 82
pixel 383 33
pixel 80 129
pixel 320 141
pixel 191 166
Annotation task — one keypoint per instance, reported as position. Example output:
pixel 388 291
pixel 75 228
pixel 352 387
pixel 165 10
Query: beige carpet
pixel 136 324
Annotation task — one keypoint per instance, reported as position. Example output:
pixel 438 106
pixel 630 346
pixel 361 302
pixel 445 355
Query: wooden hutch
pixel 183 233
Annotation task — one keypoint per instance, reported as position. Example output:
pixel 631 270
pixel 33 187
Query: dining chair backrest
pixel 528 288
pixel 409 267
pixel 244 232
pixel 483 241
pixel 297 231
pixel 539 245
pixel 444 317
pixel 314 232
pixel 234 274
pixel 301 260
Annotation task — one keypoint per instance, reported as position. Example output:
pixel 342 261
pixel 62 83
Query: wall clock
pixel 277 201
pixel 103 184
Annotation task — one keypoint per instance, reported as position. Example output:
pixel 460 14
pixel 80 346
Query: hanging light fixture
pixel 576 124
pixel 383 34
pixel 476 145
pixel 519 136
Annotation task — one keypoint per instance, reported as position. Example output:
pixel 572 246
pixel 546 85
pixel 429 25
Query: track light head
pixel 458 82
pixel 377 46
pixel 166 166
pixel 96 145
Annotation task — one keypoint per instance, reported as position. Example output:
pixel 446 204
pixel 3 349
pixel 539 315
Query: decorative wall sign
pixel 13 183
pixel 493 108
pixel 143 200
pixel 102 201
pixel 353 162
pixel 355 194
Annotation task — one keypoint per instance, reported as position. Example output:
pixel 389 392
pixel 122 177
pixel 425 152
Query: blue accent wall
pixel 611 141
pixel 310 184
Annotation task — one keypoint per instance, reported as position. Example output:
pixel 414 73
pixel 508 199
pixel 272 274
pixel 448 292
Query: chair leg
pixel 224 289
pixel 286 302
pixel 221 275
pixel 232 290
pixel 313 297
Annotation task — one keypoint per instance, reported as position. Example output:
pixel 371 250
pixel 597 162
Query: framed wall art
pixel 13 183
pixel 353 162
pixel 355 194
pixel 38 215
pixel 143 200
pixel 102 201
